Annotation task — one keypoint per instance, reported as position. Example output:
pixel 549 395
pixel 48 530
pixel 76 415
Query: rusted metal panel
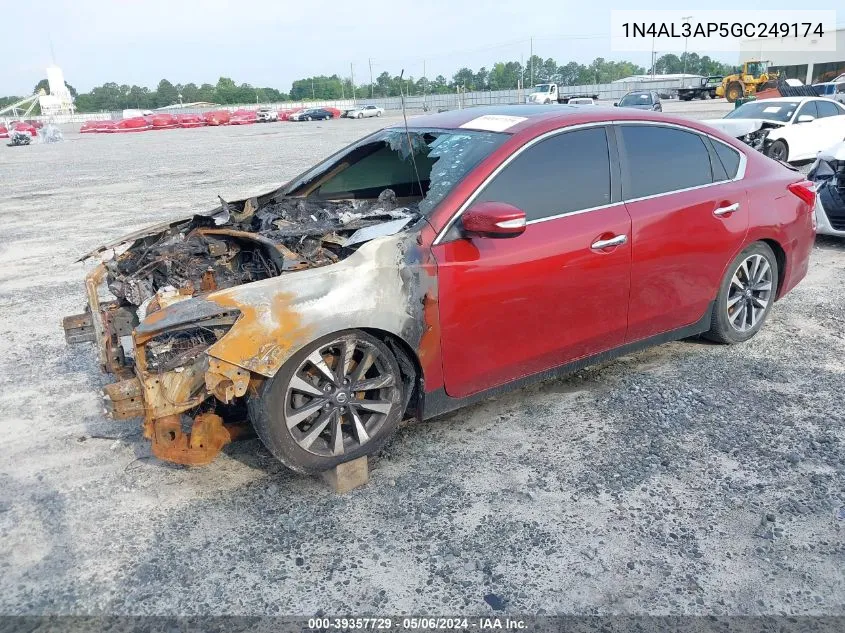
pixel 226 381
pixel 173 392
pixel 124 399
pixel 79 328
pixel 207 438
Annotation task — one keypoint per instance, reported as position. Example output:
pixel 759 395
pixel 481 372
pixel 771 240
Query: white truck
pixel 549 93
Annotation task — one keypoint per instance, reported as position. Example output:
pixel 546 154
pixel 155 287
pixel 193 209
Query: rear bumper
pixel 823 224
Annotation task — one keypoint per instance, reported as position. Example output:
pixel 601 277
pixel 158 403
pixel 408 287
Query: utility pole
pixel 312 88
pixel 686 19
pixel 425 84
pixel 352 81
pixel 532 60
pixel 652 58
pixel 372 88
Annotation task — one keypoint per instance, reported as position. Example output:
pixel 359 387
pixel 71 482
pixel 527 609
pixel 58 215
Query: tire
pixel 728 323
pixel 778 151
pixel 308 118
pixel 734 91
pixel 378 114
pixel 360 115
pixel 300 384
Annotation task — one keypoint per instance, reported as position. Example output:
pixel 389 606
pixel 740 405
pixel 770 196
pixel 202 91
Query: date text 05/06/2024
pixel 416 624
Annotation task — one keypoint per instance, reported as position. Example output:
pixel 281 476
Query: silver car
pixel 364 111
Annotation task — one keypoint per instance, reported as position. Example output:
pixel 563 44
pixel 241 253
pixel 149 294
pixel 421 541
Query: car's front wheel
pixel 337 399
pixel 378 113
pixel 778 150
pixel 745 296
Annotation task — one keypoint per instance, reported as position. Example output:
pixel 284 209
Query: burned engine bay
pixel 245 242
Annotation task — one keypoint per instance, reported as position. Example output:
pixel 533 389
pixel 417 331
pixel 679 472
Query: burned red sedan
pixel 422 269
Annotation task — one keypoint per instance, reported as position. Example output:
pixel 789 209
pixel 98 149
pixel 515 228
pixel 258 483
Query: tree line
pixel 500 76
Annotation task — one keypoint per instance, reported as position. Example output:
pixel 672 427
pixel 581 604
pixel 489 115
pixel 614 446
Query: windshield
pixel 542 88
pixel 770 110
pixel 386 160
pixel 636 98
pixel 757 68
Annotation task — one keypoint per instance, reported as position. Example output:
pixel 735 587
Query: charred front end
pixel 168 306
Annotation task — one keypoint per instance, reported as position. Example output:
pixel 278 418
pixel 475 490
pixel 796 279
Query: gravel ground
pixel 686 479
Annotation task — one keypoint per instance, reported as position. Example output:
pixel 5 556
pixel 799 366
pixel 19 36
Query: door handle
pixel 613 241
pixel 728 209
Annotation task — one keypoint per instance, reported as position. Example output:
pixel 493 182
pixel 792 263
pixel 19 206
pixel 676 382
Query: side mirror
pixel 493 219
pixel 616 103
pixel 805 118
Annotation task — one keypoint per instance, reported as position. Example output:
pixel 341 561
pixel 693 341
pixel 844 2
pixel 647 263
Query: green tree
pixel 166 94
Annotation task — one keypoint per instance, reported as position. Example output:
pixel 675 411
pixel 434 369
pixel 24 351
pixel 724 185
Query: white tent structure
pixel 59 101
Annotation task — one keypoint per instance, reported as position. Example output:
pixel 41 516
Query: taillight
pixel 805 190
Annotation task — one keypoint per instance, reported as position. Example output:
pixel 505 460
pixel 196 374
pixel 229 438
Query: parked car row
pixel 25 127
pixel 243 116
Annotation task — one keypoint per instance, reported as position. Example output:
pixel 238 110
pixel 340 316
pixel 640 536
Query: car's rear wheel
pixel 778 150
pixel 335 400
pixel 745 296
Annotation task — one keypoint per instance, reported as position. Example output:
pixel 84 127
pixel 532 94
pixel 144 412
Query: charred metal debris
pixel 243 244
pixel 183 394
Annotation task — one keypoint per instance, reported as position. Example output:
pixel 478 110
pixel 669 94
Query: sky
pixel 269 43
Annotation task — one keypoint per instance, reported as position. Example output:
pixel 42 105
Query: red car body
pixel 218 117
pixel 106 127
pixel 284 115
pixel 541 250
pixel 243 117
pixel 677 254
pixel 164 122
pixel 190 120
pixel 134 124
pixel 89 127
pixel 21 126
pixel 4 131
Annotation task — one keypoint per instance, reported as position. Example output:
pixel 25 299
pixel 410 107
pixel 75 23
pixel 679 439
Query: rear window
pixel 637 98
pixel 663 159
pixel 729 158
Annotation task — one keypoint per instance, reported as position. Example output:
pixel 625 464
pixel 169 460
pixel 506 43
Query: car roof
pixel 540 116
pixel 788 99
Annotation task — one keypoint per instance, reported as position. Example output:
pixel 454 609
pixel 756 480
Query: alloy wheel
pixel 339 397
pixel 750 293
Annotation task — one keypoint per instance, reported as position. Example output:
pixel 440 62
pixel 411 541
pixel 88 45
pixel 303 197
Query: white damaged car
pixel 786 128
pixel 828 172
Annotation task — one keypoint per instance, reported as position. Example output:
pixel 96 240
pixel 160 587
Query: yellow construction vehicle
pixel 755 76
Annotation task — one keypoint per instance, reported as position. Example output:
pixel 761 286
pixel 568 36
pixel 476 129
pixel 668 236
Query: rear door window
pixel 729 158
pixel 662 159
pixel 562 174
pixel 827 108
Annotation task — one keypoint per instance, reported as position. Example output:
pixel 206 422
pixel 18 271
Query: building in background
pixel 676 77
pixel 811 67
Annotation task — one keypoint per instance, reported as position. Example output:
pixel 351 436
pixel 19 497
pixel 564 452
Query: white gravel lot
pixel 686 479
